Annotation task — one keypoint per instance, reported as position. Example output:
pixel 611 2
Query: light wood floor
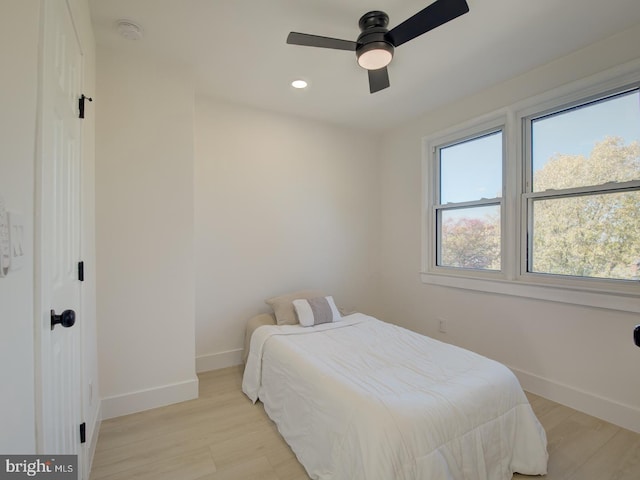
pixel 223 436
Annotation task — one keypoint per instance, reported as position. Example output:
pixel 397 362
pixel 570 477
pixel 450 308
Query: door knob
pixel 66 318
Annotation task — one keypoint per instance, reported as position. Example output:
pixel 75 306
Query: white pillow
pixel 317 310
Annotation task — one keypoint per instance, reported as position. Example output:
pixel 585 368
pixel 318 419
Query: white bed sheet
pixel 364 399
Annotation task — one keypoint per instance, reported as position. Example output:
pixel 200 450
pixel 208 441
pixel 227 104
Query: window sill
pixel 611 300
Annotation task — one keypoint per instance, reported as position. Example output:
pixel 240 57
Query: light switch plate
pixel 16 237
pixel 5 246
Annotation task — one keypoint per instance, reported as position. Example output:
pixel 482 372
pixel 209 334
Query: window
pixel 583 189
pixel 467 205
pixel 542 201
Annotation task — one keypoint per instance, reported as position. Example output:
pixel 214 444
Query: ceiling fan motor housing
pixel 375 18
pixel 373 26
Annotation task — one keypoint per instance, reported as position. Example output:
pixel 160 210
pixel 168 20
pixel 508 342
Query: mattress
pixel 365 399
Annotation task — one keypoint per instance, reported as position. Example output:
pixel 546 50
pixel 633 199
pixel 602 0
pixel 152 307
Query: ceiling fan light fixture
pixel 375 44
pixel 375 55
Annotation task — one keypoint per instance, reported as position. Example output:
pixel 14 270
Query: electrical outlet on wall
pixel 442 325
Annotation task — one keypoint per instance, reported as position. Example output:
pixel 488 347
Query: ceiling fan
pixel 375 44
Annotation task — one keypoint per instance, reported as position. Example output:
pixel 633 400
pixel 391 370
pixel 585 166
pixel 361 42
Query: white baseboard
pixel 625 416
pixel 133 402
pixel 216 361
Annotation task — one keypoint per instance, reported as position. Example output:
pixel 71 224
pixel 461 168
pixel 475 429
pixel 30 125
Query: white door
pixel 58 220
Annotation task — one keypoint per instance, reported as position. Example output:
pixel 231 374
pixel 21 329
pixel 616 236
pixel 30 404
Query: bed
pixel 363 399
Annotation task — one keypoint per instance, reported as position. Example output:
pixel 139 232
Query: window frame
pixel 433 222
pixel 528 195
pixel 514 280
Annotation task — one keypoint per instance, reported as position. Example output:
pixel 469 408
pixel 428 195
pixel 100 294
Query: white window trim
pixel 486 128
pixel 430 191
pixel 513 280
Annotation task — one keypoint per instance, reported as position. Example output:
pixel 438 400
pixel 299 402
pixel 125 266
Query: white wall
pixel 18 97
pixel 580 356
pixel 144 208
pixel 281 204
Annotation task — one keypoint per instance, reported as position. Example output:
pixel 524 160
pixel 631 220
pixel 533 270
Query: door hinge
pixel 83 432
pixel 81 271
pixel 81 104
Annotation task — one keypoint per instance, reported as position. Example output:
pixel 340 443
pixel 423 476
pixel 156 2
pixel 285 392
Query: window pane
pixel 471 170
pixel 470 238
pixel 587 236
pixel 589 145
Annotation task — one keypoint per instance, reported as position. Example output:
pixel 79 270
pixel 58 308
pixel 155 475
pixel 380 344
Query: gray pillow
pixel 283 305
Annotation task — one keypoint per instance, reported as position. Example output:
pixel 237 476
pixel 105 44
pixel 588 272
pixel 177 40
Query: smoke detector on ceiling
pixel 130 30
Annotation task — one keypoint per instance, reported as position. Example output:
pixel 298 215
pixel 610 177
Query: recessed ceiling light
pixel 130 30
pixel 299 84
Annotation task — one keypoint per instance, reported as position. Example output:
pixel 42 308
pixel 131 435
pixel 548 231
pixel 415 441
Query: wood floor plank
pixel 177 443
pixel 226 412
pixel 574 441
pixel 257 468
pixel 619 459
pixel 290 469
pixel 223 436
pixel 549 413
pixel 260 442
pixel 187 467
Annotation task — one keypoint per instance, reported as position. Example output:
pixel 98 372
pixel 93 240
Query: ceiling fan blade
pixel 436 14
pixel 378 80
pixel 307 40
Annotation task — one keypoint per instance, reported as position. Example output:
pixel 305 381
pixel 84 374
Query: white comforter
pixel 364 399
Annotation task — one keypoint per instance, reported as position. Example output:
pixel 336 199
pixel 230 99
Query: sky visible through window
pixel 576 132
pixel 472 170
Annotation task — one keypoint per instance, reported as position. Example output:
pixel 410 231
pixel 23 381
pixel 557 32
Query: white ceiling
pixel 236 49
